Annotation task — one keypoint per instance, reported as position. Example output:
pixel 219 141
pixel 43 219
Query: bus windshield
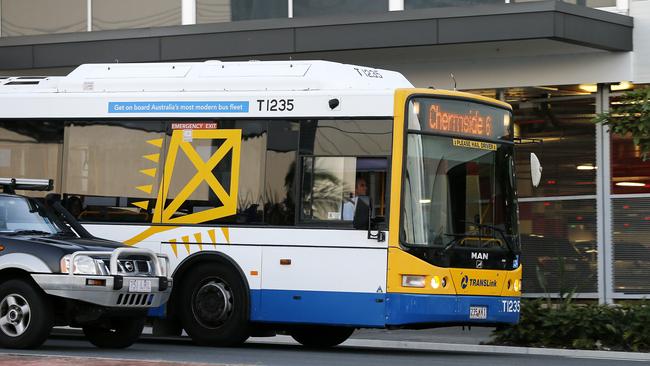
pixel 458 192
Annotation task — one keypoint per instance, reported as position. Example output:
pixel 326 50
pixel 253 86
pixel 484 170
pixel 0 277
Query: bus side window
pixel 331 187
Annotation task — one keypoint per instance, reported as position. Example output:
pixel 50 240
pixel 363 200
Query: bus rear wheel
pixel 321 336
pixel 214 306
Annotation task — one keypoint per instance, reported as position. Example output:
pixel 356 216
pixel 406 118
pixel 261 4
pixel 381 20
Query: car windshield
pixel 459 193
pixel 23 215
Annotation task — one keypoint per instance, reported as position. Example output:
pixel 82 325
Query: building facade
pixel 585 229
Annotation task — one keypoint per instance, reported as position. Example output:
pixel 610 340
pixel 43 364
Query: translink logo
pixel 476 282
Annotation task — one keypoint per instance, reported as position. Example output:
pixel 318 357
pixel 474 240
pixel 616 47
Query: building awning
pixel 549 20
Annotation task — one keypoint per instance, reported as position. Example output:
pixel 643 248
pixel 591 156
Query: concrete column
pixel 188 12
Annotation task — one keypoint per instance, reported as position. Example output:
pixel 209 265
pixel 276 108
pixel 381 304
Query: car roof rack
pixel 10 185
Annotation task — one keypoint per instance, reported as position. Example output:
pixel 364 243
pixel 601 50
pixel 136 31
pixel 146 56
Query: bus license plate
pixel 139 285
pixel 478 312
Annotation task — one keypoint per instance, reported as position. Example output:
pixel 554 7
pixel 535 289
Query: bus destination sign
pixel 470 123
pixel 460 117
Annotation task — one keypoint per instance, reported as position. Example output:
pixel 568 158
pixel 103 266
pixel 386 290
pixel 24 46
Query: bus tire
pixel 321 336
pixel 121 333
pixel 26 317
pixel 213 305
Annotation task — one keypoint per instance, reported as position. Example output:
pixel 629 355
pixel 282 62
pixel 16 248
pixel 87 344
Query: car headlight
pixel 83 264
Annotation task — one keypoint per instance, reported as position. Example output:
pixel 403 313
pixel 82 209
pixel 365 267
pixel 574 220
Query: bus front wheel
pixel 321 336
pixel 214 306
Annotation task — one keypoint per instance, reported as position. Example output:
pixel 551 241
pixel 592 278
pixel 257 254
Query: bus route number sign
pixel 368 73
pixel 275 105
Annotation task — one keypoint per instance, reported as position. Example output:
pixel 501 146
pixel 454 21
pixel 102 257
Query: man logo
pixel 463 282
pixel 479 264
pixel 478 255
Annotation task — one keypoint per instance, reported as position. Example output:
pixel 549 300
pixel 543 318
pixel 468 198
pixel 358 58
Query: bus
pixel 307 198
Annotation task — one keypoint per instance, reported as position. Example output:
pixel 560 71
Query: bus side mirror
pixel 535 169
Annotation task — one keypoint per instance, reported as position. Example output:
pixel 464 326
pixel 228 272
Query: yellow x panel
pixel 228 197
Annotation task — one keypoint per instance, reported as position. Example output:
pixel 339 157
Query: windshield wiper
pixel 29 232
pixel 498 230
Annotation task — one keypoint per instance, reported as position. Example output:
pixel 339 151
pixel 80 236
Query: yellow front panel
pixel 478 281
pixel 459 281
pixel 401 263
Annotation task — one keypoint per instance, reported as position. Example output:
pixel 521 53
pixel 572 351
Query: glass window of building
pixel 559 246
pixel 31 149
pixel 630 174
pixel 589 3
pixel 560 131
pixel 631 248
pixel 421 4
pixel 310 8
pixel 30 17
pixel 123 14
pixel 113 169
pixel 630 208
pixel 216 11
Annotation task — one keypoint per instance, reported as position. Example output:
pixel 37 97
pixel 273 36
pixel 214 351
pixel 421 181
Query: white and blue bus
pixel 303 197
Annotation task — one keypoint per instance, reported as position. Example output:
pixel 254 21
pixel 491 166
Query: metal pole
pixel 603 201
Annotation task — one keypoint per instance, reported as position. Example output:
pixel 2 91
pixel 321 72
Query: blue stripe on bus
pixel 403 309
pixel 373 309
pixel 158 312
pixel 318 307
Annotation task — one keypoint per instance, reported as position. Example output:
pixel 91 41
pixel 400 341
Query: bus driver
pixel 360 189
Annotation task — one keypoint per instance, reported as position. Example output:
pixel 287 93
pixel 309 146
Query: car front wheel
pixel 26 317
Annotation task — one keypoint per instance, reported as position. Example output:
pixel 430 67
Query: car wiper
pixel 29 232
pixel 498 230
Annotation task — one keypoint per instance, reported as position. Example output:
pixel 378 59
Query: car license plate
pixel 478 312
pixel 139 285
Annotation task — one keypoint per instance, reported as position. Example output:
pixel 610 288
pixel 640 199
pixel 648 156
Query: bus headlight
pixel 435 282
pixel 413 281
pixel 517 285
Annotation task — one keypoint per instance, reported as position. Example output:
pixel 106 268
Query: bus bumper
pixel 406 309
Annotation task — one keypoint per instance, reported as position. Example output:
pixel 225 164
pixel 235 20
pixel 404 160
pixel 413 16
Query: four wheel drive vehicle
pixel 53 272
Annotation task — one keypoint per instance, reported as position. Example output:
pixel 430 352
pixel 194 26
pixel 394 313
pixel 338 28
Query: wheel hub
pixel 14 315
pixel 212 304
